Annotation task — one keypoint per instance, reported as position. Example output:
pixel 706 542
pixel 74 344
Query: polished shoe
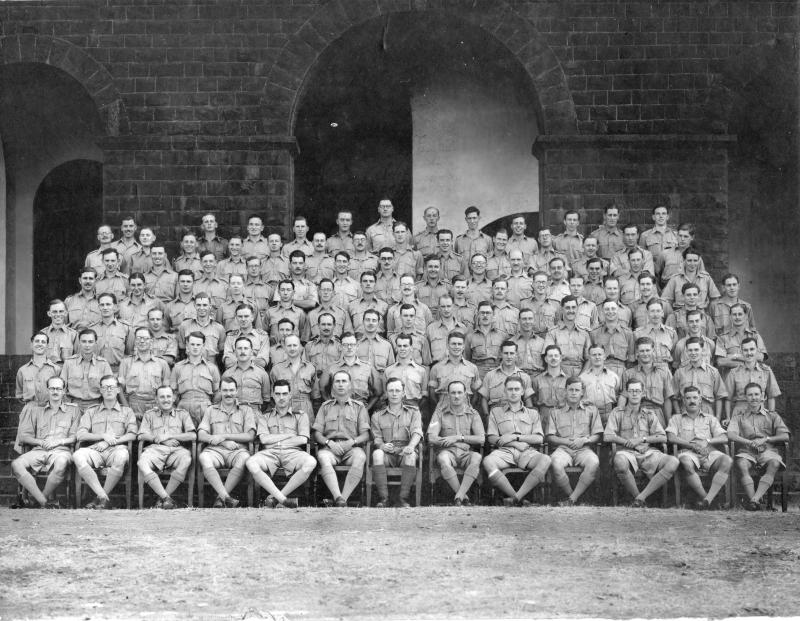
pixel 230 502
pixel 269 502
pixel 158 503
pixel 638 503
pixel 510 502
pixel 383 503
pixel 752 505
pixel 465 501
pixel 103 504
pixel 403 504
pixel 218 503
pixel 526 503
pixel 702 505
pixel 168 503
pixel 92 504
pixel 340 502
pixel 567 503
pixel 52 504
pixel 458 502
pixel 290 503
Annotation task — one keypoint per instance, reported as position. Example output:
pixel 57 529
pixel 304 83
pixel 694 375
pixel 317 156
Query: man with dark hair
pixel 572 429
pixel 342 239
pixel 82 372
pixel 61 339
pixel 111 280
pixel 473 240
pixel 210 241
pixel 82 307
pixel 50 429
pixel 635 428
pixel 397 430
pixel 456 430
pixel 570 242
pixel 698 433
pixel 283 432
pixel 31 384
pixel 515 430
pixel 109 426
pixel 620 262
pixel 608 235
pixel 379 235
pixel 195 380
pixel 141 374
pixel 226 428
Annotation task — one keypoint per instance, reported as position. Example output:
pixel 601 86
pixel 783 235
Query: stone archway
pixel 287 76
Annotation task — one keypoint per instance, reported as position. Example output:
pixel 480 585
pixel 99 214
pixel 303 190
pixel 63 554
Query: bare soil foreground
pixel 430 562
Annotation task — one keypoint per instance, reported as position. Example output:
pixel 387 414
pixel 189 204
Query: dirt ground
pixel 434 562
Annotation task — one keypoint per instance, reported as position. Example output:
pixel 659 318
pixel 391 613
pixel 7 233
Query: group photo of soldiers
pixel 343 368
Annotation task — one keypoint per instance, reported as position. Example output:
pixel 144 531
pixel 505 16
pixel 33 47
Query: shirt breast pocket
pixel 565 429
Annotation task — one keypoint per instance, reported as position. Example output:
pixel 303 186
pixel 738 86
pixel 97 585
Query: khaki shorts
pixel 391 460
pixel 290 460
pixel 566 457
pixel 761 459
pixel 39 460
pixel 225 458
pixel 344 460
pixel 648 461
pixel 456 457
pixel 102 459
pixel 509 457
pixel 702 463
pixel 159 457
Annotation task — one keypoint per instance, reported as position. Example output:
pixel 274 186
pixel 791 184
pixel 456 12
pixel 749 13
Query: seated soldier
pixel 515 430
pixel 165 427
pixel 635 428
pixel 340 429
pixel 109 426
pixel 50 429
pixel 571 429
pixel 697 433
pixel 397 430
pixel 283 433
pixel 756 431
pixel 226 428
pixel 454 430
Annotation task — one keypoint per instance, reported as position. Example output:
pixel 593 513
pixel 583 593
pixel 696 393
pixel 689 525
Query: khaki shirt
pixel 60 342
pixel 217 420
pixel 529 353
pixel 142 378
pixel 761 424
pixel 175 422
pixel 523 421
pixel 194 380
pixel 741 376
pixel 446 423
pixel 629 422
pixel 656 383
pixel 253 382
pixel 83 376
pixel 704 426
pixel 161 284
pixel 414 377
pixel 396 428
pixel 118 420
pixel 321 354
pixel 444 372
pixel 342 421
pixel 493 388
pixel 273 424
pixel 581 421
pixel 32 381
pixel 46 423
pixel 82 311
pixel 356 310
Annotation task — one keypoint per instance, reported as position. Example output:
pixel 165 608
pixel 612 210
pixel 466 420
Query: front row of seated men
pixel 342 428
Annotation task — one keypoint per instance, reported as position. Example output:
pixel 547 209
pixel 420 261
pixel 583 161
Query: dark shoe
pixel 403 504
pixel 382 503
pixel 269 502
pixel 218 503
pixel 752 505
pixel 103 504
pixel 158 503
pixel 526 503
pixel 230 502
pixel 340 502
pixel 702 505
pixel 92 504
pixel 458 502
pixel 638 503
pixel 52 504
pixel 290 503
pixel 168 503
pixel 567 503
pixel 466 502
pixel 510 502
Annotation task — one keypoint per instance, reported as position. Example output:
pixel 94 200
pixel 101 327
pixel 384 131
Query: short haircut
pixel 198 335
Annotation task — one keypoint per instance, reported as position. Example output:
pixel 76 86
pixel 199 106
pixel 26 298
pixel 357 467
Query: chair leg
pixel 141 492
pixel 128 477
pixel 78 494
pixel 190 495
pixel 201 484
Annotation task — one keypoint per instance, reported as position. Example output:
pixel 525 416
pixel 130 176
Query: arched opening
pixel 47 118
pixel 67 210
pixel 426 109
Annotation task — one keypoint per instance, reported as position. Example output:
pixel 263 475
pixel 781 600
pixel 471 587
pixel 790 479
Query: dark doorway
pixel 67 210
pixel 354 132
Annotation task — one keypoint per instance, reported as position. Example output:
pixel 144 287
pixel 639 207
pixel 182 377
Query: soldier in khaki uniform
pixel 109 426
pixel 397 430
pixel 515 430
pixel 456 430
pixel 226 427
pixel 283 432
pixel 165 427
pixel 340 430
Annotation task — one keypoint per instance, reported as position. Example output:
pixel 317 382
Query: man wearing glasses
pixel 50 429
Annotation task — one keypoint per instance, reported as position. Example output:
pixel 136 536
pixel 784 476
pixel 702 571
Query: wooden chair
pixel 515 473
pixel 127 477
pixel 780 484
pixel 704 477
pixel 341 472
pixel 641 478
pixel 434 474
pixel 22 493
pixel 191 445
pixel 223 472
pixel 280 477
pixel 393 476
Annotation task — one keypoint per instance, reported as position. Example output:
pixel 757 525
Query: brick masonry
pixel 198 102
